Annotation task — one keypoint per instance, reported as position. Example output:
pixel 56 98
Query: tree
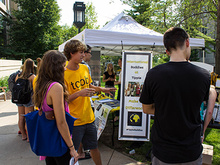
pixel 68 32
pixel 90 17
pixel 217 58
pixel 199 16
pixel 195 16
pixel 35 27
pixel 154 14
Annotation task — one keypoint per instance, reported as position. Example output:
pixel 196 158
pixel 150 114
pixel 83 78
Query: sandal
pixel 24 139
pixel 87 156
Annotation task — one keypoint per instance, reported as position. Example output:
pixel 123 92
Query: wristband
pixel 71 146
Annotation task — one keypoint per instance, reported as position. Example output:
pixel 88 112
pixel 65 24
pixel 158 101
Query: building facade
pixel 210 29
pixel 6 8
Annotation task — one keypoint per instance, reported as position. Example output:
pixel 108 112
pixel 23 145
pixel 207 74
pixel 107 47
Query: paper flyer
pixel 101 112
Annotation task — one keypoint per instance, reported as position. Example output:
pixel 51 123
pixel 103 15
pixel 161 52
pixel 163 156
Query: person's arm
pixel 114 78
pixel 56 95
pixel 87 92
pixel 148 108
pixel 31 78
pixel 119 80
pixel 16 77
pixel 101 89
pixel 210 107
pixel 104 78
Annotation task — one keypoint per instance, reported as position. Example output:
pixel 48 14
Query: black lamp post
pixel 79 15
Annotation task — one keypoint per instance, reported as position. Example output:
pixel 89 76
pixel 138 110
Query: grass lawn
pixel 212 137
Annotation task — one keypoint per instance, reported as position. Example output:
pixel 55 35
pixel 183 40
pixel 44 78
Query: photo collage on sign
pixel 133 89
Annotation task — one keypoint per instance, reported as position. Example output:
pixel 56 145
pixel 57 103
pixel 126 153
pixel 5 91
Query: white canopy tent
pixel 124 33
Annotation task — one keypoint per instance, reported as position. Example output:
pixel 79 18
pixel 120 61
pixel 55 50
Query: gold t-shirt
pixel 34 82
pixel 80 108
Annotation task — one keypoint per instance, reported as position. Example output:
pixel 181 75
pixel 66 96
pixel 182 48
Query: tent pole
pixel 203 55
pixel 122 46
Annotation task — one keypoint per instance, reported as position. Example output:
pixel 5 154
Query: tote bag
pixel 44 136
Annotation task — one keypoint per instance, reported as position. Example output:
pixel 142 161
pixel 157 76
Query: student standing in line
pixel 50 88
pixel 78 82
pixel 27 73
pixel 173 92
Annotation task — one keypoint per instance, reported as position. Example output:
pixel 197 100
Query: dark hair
pixel 51 69
pixel 88 48
pixel 73 46
pixel 174 37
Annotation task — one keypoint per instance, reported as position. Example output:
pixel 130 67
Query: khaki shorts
pixel 156 161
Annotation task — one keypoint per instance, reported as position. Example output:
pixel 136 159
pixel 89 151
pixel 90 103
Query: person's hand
pixel 109 90
pixel 87 92
pixel 74 154
pixel 202 137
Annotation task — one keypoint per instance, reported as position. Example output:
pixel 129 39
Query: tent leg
pixel 203 55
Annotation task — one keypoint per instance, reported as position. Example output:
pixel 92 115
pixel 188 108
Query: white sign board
pixel 134 124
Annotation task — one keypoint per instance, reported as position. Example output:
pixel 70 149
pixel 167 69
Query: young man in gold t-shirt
pixel 78 82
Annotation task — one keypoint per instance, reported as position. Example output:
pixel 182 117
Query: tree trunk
pixel 217 57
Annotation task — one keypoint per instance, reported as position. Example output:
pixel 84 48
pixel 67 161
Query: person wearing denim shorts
pixel 30 104
pixel 27 73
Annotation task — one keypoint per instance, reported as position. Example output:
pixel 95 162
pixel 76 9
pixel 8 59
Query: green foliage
pixel 212 138
pixel 160 59
pixel 2 30
pixel 90 17
pixel 154 14
pixel 35 29
pixel 192 15
pixel 67 32
pixel 4 82
pixel 194 55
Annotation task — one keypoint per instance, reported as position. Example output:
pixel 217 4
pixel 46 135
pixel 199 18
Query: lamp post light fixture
pixel 79 15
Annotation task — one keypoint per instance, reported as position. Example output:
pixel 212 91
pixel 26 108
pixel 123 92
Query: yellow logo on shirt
pixel 81 83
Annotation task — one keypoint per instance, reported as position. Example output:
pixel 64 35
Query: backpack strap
pixel 30 75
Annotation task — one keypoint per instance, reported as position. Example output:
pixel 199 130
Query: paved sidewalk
pixel 14 151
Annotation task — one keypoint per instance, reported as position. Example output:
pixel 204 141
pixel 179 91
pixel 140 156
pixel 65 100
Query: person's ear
pixel 167 52
pixel 187 42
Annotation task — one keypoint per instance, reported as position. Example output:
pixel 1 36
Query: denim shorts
pixel 30 104
pixel 86 134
